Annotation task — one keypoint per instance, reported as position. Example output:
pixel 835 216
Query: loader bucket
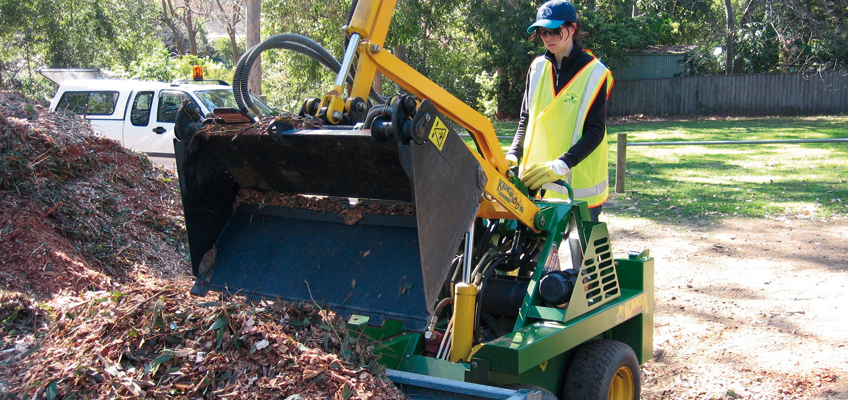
pixel 380 266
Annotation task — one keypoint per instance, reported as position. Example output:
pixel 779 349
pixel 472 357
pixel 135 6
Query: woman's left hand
pixel 539 174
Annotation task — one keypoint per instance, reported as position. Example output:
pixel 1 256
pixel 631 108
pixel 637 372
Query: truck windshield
pixel 213 99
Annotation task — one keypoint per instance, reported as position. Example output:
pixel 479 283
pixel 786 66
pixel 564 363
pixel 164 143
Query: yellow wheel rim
pixel 621 387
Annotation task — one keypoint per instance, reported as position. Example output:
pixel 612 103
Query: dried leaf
pixel 182 353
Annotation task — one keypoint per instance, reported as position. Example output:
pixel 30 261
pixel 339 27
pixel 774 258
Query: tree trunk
pixel 230 16
pixel 178 38
pixel 191 29
pixel 378 83
pixel 192 41
pixel 400 52
pixel 167 13
pixel 254 84
pixel 729 55
pixel 499 112
pixel 743 20
pixel 233 44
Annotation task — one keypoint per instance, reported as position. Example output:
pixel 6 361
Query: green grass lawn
pixel 716 181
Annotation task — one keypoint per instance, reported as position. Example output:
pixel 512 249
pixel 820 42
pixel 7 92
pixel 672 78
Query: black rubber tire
pixel 546 394
pixel 593 368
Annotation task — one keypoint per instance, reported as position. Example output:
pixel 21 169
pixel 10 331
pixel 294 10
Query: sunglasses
pixel 555 33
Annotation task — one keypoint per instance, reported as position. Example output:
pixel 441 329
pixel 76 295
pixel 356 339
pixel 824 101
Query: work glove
pixel 511 160
pixel 539 174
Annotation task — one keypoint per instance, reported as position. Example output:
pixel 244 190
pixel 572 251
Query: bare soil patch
pixel 745 309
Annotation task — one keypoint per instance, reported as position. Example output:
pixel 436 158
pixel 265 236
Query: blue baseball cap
pixel 553 14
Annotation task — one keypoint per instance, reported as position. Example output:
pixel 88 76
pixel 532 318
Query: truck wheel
pixel 545 393
pixel 603 370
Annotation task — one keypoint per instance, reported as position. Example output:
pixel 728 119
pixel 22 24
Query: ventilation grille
pixel 598 278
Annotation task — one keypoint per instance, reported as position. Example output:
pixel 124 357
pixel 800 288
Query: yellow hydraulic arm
pixel 367 30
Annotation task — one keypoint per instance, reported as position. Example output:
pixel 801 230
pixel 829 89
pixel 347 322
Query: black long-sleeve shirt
pixel 594 128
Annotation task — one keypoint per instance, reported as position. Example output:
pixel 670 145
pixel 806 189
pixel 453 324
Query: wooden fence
pixel 824 93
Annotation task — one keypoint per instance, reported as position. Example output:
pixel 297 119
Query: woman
pixel 562 131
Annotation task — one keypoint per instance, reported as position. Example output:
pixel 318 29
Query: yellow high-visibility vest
pixel 555 123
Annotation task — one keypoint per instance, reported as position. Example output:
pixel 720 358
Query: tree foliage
pixel 69 34
pixel 811 34
pixel 230 14
pixel 437 46
pixel 429 33
pixel 476 49
pixel 499 28
pixel 612 29
pixel 287 77
pixel 77 34
pixel 159 65
pixel 763 36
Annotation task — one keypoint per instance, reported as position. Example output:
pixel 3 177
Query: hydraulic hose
pixel 243 99
pixel 374 113
pixel 240 76
pixel 487 237
pixel 454 268
pixel 245 64
pixel 285 41
pixel 435 317
pixel 478 309
pixel 305 46
pixel 477 274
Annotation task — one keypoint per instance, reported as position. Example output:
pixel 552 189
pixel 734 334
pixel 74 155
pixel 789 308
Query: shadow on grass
pixel 709 188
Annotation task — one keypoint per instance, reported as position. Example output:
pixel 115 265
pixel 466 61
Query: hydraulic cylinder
pixel 463 321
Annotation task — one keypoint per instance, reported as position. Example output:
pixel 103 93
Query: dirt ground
pixel 749 309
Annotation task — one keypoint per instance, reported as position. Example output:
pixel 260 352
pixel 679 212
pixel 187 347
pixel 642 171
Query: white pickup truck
pixel 140 114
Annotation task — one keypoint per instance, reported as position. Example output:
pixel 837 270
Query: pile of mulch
pixel 78 211
pixel 351 213
pixel 94 287
pixel 259 128
pixel 149 343
pixel 20 315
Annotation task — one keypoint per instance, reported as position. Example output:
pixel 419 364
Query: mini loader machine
pixel 478 291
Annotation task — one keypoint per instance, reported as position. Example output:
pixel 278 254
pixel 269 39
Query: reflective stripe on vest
pixel 556 122
pixel 593 191
pixel 536 69
pixel 598 72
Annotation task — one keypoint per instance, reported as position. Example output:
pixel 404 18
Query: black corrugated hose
pixel 286 41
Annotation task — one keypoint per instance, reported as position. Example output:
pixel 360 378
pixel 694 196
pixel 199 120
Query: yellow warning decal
pixel 439 134
pixel 543 366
